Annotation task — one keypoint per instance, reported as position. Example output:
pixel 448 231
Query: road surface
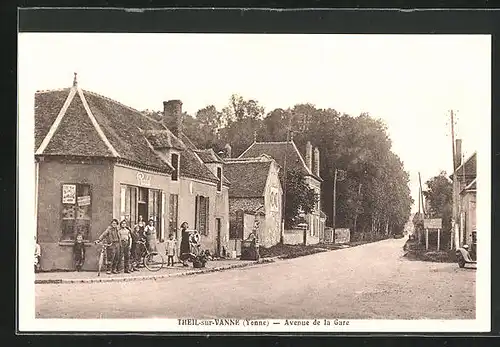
pixel 371 281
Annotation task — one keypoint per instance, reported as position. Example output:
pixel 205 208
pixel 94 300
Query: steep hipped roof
pixel 75 122
pixel 208 156
pixel 248 179
pixel 468 167
pixel 277 151
pixel 161 139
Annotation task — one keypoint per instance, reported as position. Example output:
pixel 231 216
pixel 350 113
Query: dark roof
pixel 47 106
pixel 187 141
pixel 468 167
pixel 248 179
pixel 125 129
pixel 208 156
pixel 76 135
pixel 277 151
pixel 161 139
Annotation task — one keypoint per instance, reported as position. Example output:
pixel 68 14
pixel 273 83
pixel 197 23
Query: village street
pixel 368 281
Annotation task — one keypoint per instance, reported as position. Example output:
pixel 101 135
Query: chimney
pixel 458 153
pixel 316 161
pixel 227 149
pixel 172 116
pixel 309 155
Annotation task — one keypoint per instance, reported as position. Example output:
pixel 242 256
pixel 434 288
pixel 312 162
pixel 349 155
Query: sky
pixel 411 82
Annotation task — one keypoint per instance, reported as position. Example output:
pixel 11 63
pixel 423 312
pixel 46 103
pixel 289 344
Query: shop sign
pixel 143 179
pixel 69 194
pixel 83 200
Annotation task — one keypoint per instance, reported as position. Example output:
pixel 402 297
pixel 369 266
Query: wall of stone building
pixel 273 205
pixel 188 189
pixel 245 204
pixel 296 236
pixel 58 255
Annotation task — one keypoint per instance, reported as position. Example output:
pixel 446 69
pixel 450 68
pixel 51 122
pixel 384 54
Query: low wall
pixel 296 237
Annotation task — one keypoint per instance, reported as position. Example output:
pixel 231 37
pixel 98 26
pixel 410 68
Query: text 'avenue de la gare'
pixel 260 322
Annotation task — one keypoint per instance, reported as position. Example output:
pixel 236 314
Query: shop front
pixel 141 193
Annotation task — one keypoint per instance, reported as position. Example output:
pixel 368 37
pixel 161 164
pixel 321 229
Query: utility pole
pixel 455 200
pixel 285 178
pixel 421 195
pixel 334 203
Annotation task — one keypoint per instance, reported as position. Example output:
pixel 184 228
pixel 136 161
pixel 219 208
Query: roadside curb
pixel 157 277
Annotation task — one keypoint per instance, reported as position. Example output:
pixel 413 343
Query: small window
pixel 219 178
pixel 174 158
pixel 76 211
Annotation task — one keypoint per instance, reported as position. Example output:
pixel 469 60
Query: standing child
pixel 171 247
pixel 79 252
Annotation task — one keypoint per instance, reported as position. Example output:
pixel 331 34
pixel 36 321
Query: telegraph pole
pixel 455 200
pixel 285 178
pixel 334 214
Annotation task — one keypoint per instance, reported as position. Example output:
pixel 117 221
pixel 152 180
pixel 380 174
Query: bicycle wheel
pixel 154 261
pixel 101 262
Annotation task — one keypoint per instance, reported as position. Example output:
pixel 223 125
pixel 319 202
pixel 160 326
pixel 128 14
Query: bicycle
pixel 153 261
pixel 102 256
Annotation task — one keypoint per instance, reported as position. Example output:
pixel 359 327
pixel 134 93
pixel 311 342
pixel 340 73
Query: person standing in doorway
pixel 185 248
pixel 125 244
pixel 171 247
pixel 150 232
pixel 111 237
pixel 142 225
pixel 38 254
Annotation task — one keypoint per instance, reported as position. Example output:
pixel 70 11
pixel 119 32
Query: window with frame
pixel 201 214
pixel 76 211
pixel 174 160
pixel 128 203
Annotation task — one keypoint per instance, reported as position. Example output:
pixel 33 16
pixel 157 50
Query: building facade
pixel 255 191
pixel 287 151
pixel 97 159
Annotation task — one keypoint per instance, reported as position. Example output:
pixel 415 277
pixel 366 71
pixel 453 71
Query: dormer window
pixel 219 179
pixel 174 160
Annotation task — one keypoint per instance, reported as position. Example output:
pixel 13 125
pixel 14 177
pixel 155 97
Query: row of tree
pixel 374 197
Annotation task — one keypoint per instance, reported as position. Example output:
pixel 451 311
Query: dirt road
pixel 371 281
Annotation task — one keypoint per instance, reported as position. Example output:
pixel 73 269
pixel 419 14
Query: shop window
pixel 76 211
pixel 173 215
pixel 174 160
pixel 128 204
pixel 201 214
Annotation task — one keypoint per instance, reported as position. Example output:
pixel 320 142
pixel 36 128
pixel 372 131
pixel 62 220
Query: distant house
pixel 255 187
pixel 294 160
pixel 97 159
pixel 465 185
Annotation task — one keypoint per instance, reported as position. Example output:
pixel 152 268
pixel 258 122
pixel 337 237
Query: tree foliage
pixel 439 195
pixel 374 197
pixel 300 198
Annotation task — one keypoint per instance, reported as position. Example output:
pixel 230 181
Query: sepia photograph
pixel 254 182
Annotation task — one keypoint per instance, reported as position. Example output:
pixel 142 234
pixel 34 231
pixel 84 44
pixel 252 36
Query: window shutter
pixel 196 211
pixel 207 204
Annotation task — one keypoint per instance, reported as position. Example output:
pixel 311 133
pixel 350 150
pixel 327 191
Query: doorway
pixel 142 204
pixel 218 227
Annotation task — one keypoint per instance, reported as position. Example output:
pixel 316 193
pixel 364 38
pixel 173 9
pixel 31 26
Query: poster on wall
pixel 84 200
pixel 69 193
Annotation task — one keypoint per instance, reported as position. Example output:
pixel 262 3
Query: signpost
pixel 436 223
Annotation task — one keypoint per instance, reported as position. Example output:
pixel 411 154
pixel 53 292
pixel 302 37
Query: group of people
pixel 125 243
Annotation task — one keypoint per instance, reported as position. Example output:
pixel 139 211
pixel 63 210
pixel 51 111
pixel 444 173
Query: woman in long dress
pixel 185 248
pixel 150 232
